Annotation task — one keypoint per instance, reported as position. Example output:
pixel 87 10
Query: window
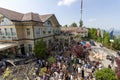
pixel 0 32
pixel 28 32
pixel 49 32
pixel 38 31
pixel 30 47
pixel 49 23
pixel 44 32
pixel 13 31
pixel 3 31
pixel 8 32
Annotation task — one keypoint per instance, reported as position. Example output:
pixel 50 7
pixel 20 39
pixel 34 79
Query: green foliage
pixel 51 59
pixel 81 23
pixel 7 73
pixel 73 25
pixel 92 33
pixel 106 39
pixel 40 49
pixel 116 43
pixel 105 74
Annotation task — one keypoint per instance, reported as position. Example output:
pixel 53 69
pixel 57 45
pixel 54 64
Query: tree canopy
pixel 81 23
pixel 73 24
pixel 92 34
pixel 105 74
pixel 116 43
pixel 39 49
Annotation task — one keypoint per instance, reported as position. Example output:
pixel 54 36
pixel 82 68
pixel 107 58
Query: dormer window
pixel 48 23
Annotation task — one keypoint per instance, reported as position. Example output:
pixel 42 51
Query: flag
pixel 111 34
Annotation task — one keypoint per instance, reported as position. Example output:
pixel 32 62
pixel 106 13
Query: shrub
pixel 105 74
pixel 51 59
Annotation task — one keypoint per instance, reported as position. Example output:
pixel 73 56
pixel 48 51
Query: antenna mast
pixel 81 9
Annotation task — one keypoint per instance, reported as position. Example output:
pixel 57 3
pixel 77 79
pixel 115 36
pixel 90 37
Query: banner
pixel 102 32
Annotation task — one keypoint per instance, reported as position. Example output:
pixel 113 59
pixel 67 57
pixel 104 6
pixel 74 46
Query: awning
pixel 4 46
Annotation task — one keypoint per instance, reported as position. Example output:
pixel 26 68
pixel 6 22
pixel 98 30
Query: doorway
pixel 22 49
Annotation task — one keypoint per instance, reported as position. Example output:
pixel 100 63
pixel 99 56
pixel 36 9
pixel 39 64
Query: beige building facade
pixel 26 29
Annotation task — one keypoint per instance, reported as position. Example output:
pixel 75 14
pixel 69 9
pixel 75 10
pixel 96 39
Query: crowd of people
pixel 69 67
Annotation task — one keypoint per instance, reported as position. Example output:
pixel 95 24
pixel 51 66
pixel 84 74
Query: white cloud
pixel 92 20
pixel 65 2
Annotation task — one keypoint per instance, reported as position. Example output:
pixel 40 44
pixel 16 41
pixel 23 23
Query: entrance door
pixel 22 49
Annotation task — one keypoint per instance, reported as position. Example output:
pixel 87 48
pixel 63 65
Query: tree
pixel 105 74
pixel 65 25
pixel 116 43
pixel 73 25
pixel 81 23
pixel 51 59
pixel 40 49
pixel 92 33
pixel 106 39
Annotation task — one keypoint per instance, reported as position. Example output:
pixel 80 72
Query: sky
pixel 104 14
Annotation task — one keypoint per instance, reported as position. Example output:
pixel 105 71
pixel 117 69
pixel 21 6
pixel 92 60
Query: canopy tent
pixel 83 42
pixel 4 46
pixel 88 45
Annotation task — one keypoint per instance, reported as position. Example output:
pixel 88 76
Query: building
pixel 19 32
pixel 70 33
pixel 81 31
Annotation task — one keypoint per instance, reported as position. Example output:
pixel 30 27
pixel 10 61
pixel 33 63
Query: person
pixel 79 69
pixel 27 54
pixel 112 61
pixel 67 77
pixel 93 69
pixel 109 66
pixel 82 72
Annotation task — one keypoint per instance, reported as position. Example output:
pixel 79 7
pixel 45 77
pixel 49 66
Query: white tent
pixel 4 46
